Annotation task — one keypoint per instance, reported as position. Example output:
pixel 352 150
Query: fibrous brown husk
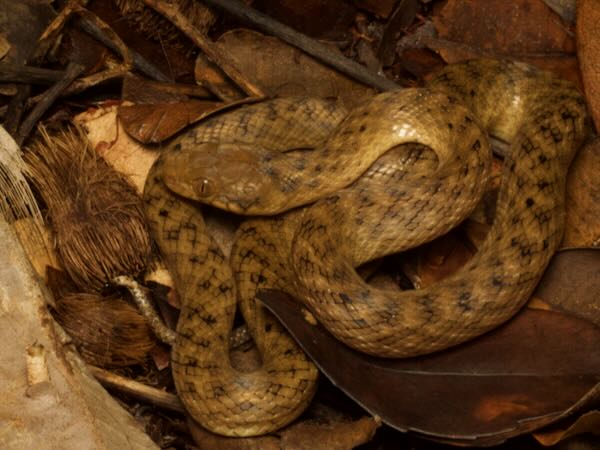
pixel 107 331
pixel 96 216
pixel 156 27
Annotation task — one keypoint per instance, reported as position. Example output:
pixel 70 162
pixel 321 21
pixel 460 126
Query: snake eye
pixel 204 187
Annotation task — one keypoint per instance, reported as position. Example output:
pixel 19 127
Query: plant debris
pixel 96 216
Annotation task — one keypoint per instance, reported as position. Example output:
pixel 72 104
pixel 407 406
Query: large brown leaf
pixel 286 71
pixel 582 228
pixel 326 431
pixel 572 283
pixel 588 50
pixel 524 375
pixel 587 423
pixel 471 28
pixel 151 124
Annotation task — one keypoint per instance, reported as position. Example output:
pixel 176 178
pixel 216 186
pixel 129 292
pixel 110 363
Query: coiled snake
pixel 367 205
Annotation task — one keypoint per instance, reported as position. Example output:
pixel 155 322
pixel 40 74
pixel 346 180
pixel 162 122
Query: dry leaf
pixel 108 137
pixel 156 27
pixel 587 423
pixel 209 74
pixel 420 62
pixel 141 90
pixel 566 9
pixel 381 8
pixel 286 71
pixel 438 259
pixel 4 46
pixel 83 49
pixel 320 19
pixel 23 39
pixel 524 375
pixel 329 435
pixel 583 192
pixel 472 28
pixel 533 26
pixel 588 51
pixel 207 440
pixel 161 356
pixel 151 124
pixel 571 283
pixel 330 431
pixel 403 16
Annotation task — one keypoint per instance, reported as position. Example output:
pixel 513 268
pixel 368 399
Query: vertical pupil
pixel 203 187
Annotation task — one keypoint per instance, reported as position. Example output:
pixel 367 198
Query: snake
pixel 326 191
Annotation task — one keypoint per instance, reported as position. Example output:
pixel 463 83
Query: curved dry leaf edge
pixel 313 337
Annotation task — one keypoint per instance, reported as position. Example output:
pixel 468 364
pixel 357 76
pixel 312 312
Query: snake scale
pixel 399 170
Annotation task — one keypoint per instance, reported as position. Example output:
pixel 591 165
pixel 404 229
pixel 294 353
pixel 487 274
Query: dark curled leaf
pixel 572 283
pixel 529 373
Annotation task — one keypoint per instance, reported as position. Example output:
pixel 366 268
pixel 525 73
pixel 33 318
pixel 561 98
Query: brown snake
pixel 367 206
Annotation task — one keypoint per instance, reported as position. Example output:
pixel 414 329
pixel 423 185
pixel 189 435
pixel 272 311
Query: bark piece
pixel 61 406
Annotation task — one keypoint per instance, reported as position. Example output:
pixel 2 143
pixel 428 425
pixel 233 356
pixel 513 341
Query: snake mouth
pixel 239 206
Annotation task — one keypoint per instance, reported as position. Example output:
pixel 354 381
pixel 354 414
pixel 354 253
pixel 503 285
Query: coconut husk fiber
pixel 107 331
pixel 95 214
pixel 156 27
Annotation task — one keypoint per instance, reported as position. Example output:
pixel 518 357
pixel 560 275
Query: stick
pixel 16 107
pixel 139 62
pixel 208 47
pixel 15 73
pixel 303 42
pixel 138 390
pixel 192 90
pixel 50 34
pixel 72 72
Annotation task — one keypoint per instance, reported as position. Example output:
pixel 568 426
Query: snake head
pixel 223 175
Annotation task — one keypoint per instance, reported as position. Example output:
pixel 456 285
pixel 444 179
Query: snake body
pixel 374 195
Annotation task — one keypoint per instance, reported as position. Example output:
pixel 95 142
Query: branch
pixel 303 42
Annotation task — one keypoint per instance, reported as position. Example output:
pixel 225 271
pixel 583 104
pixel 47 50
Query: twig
pixel 49 35
pixel 46 41
pixel 402 17
pixel 209 48
pixel 138 390
pixel 134 83
pixel 139 62
pixel 215 80
pixel 303 42
pixel 14 110
pixel 76 86
pixel 72 72
pixel 15 73
pixel 48 38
